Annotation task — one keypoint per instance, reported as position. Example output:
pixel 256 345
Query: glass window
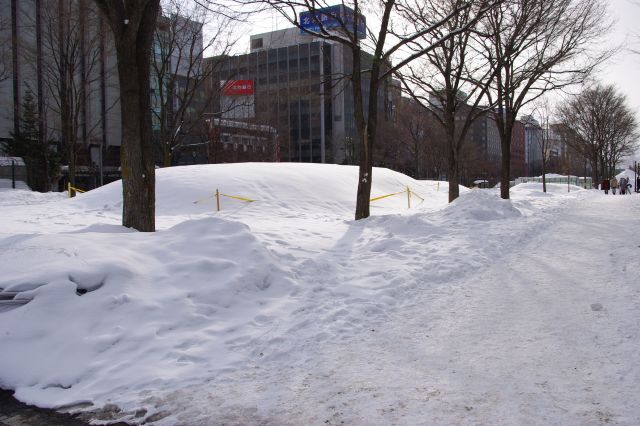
pixel 272 60
pixel 293 63
pixel 314 62
pixel 304 61
pixel 256 43
pixel 262 68
pixel 282 65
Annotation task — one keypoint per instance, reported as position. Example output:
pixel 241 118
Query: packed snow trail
pixel 546 334
pixel 529 340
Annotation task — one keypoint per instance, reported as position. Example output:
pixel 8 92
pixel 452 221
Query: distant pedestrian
pixel 628 188
pixel 638 184
pixel 614 185
pixel 605 185
pixel 623 185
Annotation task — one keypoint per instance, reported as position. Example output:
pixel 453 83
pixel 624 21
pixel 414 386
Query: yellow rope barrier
pixel 74 189
pixel 387 196
pixel 408 191
pixel 217 195
pixel 248 200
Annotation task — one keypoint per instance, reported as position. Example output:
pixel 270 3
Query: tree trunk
pixel 365 166
pixel 364 175
pixel 544 174
pixel 133 46
pixel 596 171
pixel 454 172
pixel 166 153
pixel 367 138
pixel 70 141
pixel 505 173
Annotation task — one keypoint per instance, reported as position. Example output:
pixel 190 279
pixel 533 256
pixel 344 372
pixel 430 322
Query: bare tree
pixel 40 158
pixel 537 46
pixel 421 138
pixel 421 143
pixel 133 24
pixel 181 93
pixel 387 42
pixel 603 128
pixel 542 112
pixel 71 49
pixel 413 131
pixel 452 79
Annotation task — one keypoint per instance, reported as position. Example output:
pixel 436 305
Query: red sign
pixel 237 88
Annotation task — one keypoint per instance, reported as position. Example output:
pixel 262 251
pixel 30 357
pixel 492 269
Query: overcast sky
pixel 624 70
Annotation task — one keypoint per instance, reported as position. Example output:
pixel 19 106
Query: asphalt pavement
pixel 15 413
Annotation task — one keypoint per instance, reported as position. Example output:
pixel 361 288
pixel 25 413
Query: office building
pixel 63 47
pixel 300 85
pixel 53 48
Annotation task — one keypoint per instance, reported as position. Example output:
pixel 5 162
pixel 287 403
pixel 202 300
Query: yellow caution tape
pixel 396 193
pixel 248 200
pixel 387 196
pixel 73 188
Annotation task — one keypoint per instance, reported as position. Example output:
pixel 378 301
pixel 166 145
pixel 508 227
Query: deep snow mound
pixel 133 309
pixel 281 187
pixel 481 206
pixel 24 196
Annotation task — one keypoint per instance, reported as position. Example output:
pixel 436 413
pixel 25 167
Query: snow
pixel 9 161
pixel 287 311
pixel 8 184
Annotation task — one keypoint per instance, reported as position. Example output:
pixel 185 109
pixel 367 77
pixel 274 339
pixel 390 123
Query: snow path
pixel 522 340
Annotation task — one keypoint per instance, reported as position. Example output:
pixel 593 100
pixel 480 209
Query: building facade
pixel 60 52
pixel 533 139
pixel 485 135
pixel 518 159
pixel 301 87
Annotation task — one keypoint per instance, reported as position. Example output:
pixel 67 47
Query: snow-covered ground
pixel 286 311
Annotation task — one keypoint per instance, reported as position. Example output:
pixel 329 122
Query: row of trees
pixel 601 128
pixel 590 132
pixel 461 59
pixel 69 52
pixel 494 55
pixel 63 53
pixel 502 53
pixel 40 155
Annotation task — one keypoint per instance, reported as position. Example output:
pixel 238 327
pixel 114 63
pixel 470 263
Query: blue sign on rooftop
pixel 332 18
